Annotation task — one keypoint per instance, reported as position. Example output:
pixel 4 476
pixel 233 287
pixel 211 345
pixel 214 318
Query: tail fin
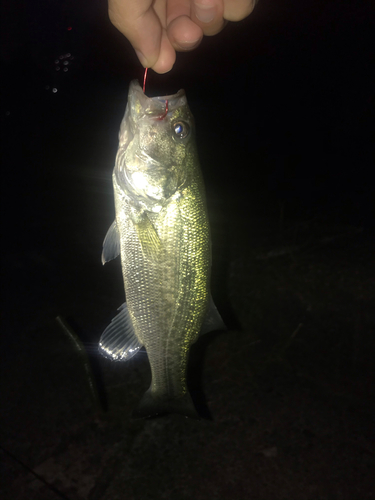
pixel 152 405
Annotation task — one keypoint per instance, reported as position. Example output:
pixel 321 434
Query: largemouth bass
pixel 162 233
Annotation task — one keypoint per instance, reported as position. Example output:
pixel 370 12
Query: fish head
pixel 157 153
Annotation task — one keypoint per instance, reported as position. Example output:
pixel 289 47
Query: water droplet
pixel 7 113
pixel 66 69
pixel 68 54
pixel 54 90
pixel 47 87
pixel 61 57
pixel 71 58
pixel 57 61
pixel 66 62
pixel 57 68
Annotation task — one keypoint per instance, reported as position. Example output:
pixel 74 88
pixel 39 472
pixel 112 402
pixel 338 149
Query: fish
pixel 161 231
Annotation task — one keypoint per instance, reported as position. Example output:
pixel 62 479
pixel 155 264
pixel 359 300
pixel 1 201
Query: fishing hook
pixel 161 117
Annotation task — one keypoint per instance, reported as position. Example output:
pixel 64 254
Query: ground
pixel 286 393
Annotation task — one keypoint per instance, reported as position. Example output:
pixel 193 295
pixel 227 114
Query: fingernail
pixel 187 45
pixel 142 58
pixel 205 11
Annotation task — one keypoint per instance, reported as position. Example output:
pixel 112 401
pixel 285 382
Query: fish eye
pixel 181 130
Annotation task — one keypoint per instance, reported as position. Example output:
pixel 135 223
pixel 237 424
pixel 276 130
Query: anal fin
pixel 119 341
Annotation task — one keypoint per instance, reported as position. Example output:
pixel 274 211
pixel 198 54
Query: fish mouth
pixel 153 105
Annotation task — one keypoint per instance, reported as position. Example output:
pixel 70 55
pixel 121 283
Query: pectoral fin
pixel 119 341
pixel 148 237
pixel 213 320
pixel 111 244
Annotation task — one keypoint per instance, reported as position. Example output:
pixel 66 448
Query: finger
pixel 141 26
pixel 167 56
pixel 208 15
pixel 184 34
pixel 236 10
pixel 177 8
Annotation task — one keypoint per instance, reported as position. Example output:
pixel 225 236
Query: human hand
pixel 159 28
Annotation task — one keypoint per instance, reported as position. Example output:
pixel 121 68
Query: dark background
pixel 284 110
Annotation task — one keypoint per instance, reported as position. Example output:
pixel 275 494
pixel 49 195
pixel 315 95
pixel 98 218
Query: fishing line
pixel 144 80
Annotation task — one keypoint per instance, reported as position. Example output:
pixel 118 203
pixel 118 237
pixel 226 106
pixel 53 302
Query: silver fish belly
pixel 162 233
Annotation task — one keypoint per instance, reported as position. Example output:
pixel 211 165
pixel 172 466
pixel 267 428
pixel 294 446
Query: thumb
pixel 139 23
